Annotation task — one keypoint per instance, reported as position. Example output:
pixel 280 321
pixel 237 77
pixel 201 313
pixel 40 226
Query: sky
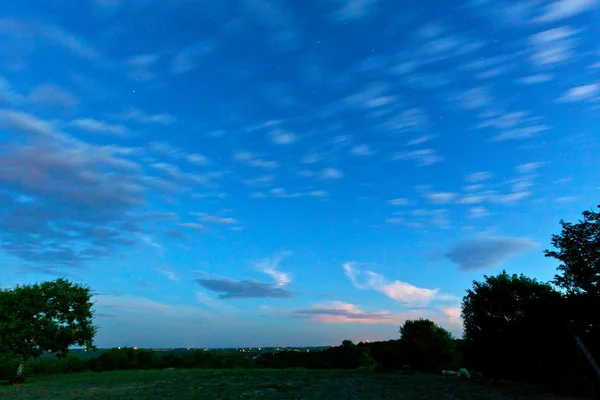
pixel 227 173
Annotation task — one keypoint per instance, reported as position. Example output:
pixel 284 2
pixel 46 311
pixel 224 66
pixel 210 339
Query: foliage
pixel 515 327
pixel 578 248
pixel 426 346
pixel 48 316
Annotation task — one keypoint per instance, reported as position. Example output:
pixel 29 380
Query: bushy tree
pixel 426 346
pixel 578 250
pixel 49 316
pixel 512 324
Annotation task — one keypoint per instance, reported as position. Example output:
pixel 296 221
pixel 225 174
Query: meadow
pixel 262 384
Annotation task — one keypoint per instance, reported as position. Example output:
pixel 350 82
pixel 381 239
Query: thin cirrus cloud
pixel 270 267
pixel 482 253
pixel 581 93
pixel 561 9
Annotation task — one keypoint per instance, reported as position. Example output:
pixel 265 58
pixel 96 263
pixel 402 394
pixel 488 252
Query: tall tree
pixel 510 322
pixel 578 250
pixel 49 316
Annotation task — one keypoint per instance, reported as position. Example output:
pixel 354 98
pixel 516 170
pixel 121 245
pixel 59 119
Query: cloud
pixel 478 212
pixel 75 44
pixel 70 201
pixel 536 78
pixel 552 46
pixel 529 168
pixel 400 291
pixel 401 201
pixel 96 126
pixel 337 312
pixel 561 9
pixel 140 66
pixel 137 305
pixel 270 267
pixel 521 133
pixel 471 199
pixel 253 160
pixel 362 150
pixel 331 174
pixel 216 219
pixel 168 273
pixel 423 157
pixel 481 253
pixel 581 93
pixel 282 137
pixel 7 94
pixel 243 289
pixel 53 96
pixel 474 98
pixel 420 140
pixel 274 16
pixel 186 59
pixel 441 198
pixel 261 181
pixel 143 118
pixel 510 198
pixel 354 9
pixel 478 177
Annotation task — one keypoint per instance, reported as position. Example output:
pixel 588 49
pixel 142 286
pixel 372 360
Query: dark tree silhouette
pixel 578 250
pixel 426 346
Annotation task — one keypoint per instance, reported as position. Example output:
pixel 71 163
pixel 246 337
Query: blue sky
pixel 269 172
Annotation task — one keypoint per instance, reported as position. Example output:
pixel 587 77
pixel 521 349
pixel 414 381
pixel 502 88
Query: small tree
pixel 48 316
pixel 578 250
pixel 425 345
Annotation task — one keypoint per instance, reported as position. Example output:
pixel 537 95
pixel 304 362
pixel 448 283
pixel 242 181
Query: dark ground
pixel 260 384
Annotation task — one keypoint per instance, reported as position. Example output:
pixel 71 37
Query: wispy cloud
pixel 187 59
pixel 167 272
pixel 581 93
pixel 101 127
pixel 354 9
pixel 561 9
pixel 331 174
pixel 400 291
pixel 552 46
pixel 254 160
pixel 51 95
pixel 362 150
pixel 270 267
pixel 282 137
pixel 422 157
pixel 480 253
pixel 441 197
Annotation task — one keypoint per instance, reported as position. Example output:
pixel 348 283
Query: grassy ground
pixel 258 384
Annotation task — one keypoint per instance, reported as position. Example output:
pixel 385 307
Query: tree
pixel 48 316
pixel 578 250
pixel 425 345
pixel 512 324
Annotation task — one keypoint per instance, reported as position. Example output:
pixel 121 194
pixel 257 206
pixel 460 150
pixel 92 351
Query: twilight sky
pixel 277 172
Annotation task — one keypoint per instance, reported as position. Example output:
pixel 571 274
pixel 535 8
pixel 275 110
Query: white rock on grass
pixel 464 373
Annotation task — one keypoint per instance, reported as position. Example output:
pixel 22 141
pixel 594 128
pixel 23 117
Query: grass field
pixel 259 384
